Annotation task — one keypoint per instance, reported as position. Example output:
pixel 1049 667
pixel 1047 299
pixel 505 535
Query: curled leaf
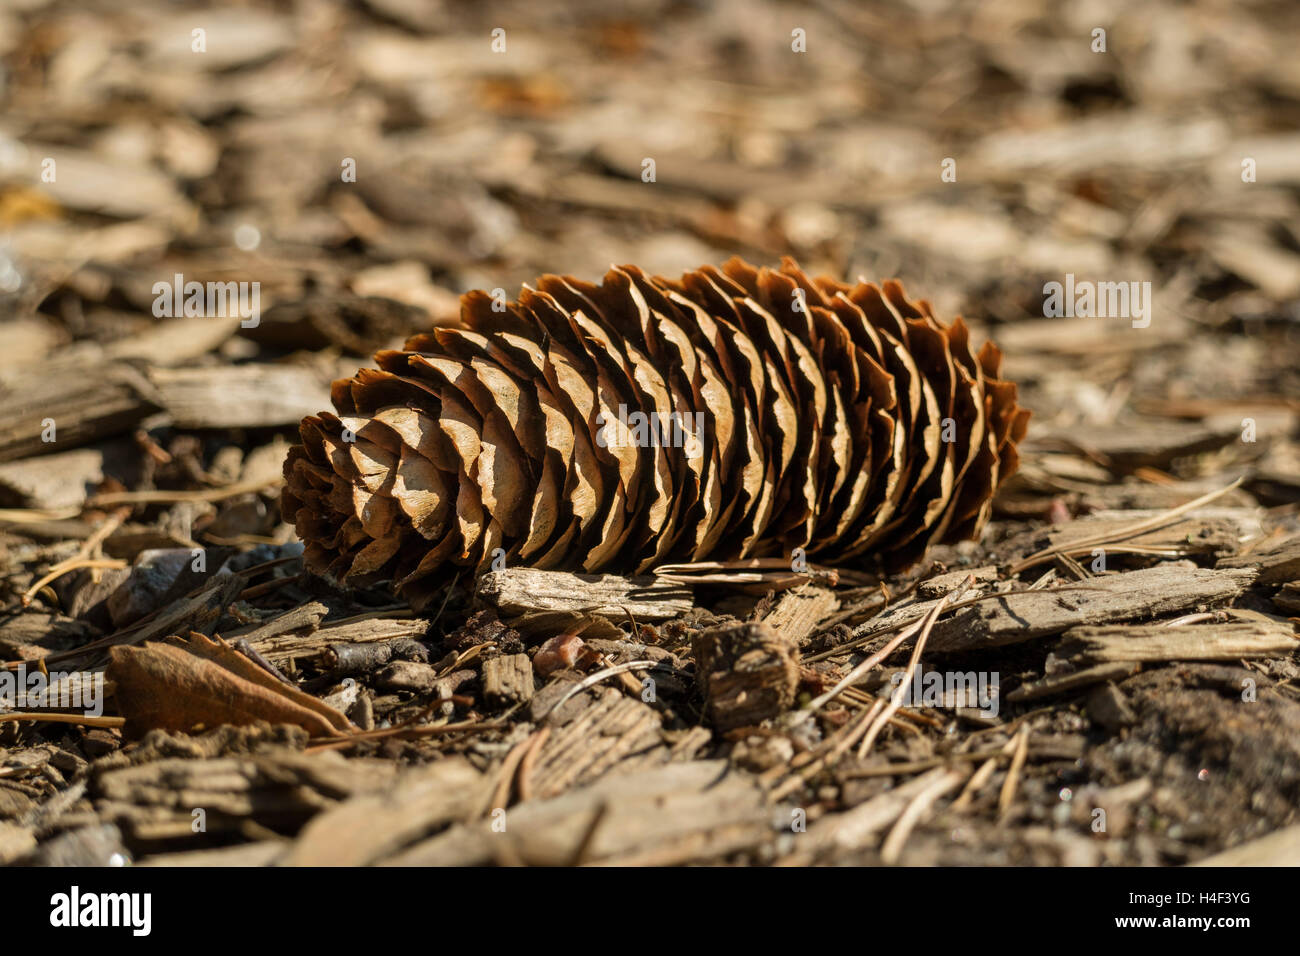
pixel 204 682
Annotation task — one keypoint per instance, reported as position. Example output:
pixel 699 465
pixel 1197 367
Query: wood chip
pixel 82 407
pixel 800 612
pixel 1150 592
pixel 1198 534
pixel 699 810
pixel 278 648
pixel 372 826
pixel 1276 565
pixel 1244 640
pixel 516 592
pixel 1062 683
pixel 748 673
pixel 242 396
pixel 53 481
pixel 507 679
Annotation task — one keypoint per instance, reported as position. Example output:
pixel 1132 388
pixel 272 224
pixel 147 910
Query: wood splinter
pixel 748 673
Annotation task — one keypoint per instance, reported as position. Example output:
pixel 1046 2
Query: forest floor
pixel 1137 657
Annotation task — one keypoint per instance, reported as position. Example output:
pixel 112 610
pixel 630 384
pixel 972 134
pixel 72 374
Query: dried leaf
pixel 205 682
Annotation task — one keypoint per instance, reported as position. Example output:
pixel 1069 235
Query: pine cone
pixel 731 414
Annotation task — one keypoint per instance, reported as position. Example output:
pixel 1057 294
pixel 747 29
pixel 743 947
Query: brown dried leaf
pixel 205 682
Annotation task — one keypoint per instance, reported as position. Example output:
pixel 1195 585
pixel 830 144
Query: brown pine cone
pixel 731 414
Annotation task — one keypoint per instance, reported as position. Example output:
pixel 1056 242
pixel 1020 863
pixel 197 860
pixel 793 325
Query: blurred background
pixel 494 141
